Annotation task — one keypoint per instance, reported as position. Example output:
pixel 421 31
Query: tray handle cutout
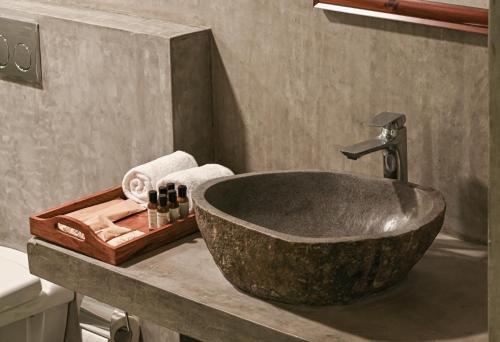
pixel 50 228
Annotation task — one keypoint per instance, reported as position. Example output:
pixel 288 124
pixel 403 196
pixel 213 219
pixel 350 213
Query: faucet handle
pixel 388 120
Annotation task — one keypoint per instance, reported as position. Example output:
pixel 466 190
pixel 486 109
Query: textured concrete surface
pixel 494 197
pixel 291 85
pixel 152 332
pixel 316 237
pixel 117 91
pixel 444 297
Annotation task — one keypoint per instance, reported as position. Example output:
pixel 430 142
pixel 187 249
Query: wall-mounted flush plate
pixel 20 51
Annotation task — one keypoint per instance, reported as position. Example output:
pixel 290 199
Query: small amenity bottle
pixel 162 190
pixel 183 201
pixel 173 206
pixel 170 186
pixel 163 212
pixel 153 209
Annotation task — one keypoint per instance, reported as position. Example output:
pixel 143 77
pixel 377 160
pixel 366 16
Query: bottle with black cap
pixel 153 209
pixel 173 206
pixel 162 190
pixel 170 186
pixel 163 211
pixel 183 201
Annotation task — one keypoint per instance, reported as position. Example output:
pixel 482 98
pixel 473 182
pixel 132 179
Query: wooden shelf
pixel 455 17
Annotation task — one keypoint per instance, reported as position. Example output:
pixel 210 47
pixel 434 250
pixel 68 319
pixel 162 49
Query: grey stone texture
pixel 117 91
pixel 316 237
pixel 494 197
pixel 292 85
pixel 444 297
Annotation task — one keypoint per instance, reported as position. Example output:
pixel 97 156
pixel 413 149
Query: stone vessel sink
pixel 307 237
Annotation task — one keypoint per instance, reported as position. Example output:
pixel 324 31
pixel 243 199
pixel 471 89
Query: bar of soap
pixel 117 210
pixel 92 216
pixel 125 237
pixel 112 232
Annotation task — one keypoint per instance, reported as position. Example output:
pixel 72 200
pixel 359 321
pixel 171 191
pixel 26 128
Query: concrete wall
pixel 291 85
pixel 494 198
pixel 109 101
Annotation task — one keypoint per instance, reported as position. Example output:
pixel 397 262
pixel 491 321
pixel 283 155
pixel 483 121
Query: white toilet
pixel 31 309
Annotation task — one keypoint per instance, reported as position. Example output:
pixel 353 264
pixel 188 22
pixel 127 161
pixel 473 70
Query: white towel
pixel 195 176
pixel 138 181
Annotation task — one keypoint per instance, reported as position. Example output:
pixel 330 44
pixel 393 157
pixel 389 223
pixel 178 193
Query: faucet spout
pixel 392 141
pixel 358 150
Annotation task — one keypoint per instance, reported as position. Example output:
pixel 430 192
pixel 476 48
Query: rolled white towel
pixel 139 180
pixel 195 176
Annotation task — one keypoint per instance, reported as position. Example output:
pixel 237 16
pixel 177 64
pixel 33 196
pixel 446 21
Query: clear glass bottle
pixel 183 201
pixel 153 209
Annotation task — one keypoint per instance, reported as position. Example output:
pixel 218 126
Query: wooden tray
pixel 45 226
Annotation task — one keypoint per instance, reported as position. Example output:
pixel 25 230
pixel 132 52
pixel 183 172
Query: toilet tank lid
pixel 18 286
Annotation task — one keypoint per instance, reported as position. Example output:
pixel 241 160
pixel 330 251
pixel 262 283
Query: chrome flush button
pixel 20 50
pixel 22 57
pixel 4 52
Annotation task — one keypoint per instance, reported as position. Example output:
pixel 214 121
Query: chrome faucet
pixel 392 140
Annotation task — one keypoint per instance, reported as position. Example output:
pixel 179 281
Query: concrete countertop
pixel 179 286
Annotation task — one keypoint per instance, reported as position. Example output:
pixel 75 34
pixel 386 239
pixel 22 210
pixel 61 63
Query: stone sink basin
pixel 307 237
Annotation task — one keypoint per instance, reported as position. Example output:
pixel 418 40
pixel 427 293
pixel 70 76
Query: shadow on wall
pixel 466 197
pixel 444 277
pixel 228 126
pixel 474 199
pixel 406 28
